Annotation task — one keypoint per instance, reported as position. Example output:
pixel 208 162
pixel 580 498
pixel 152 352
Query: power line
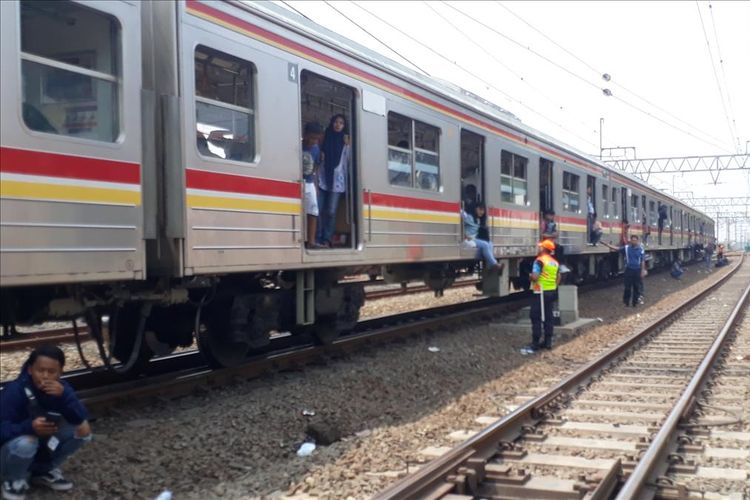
pixel 716 75
pixel 295 10
pixel 576 75
pixel 375 38
pixel 498 61
pixel 600 73
pixel 723 74
pixel 469 72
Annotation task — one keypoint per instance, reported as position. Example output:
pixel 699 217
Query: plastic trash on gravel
pixel 164 495
pixel 432 348
pixel 306 449
pixel 308 413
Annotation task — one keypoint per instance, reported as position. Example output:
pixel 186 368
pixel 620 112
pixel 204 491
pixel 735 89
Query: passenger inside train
pixel 311 157
pixel 329 102
pixel 472 230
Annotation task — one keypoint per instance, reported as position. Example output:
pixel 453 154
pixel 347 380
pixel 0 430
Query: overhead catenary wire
pixel 381 42
pixel 724 75
pixel 716 75
pixel 500 62
pixel 598 72
pixel 577 76
pixel 488 84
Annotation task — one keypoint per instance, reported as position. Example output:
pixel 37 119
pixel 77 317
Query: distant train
pixel 151 173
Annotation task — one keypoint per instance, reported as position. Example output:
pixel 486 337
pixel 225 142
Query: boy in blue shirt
pixel 42 424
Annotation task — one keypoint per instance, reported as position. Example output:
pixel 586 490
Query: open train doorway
pixel 546 188
pixel 590 205
pixel 328 162
pixel 472 169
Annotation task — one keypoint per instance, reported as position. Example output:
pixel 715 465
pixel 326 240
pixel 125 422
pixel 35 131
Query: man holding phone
pixel 42 423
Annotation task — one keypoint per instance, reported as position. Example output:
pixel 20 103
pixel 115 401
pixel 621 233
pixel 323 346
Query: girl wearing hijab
pixel 332 179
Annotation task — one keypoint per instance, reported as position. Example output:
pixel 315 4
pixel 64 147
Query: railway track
pixel 614 424
pixel 22 341
pixel 180 374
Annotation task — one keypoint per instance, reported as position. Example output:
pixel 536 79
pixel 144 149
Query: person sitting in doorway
pixel 333 176
pixel 472 225
pixel 42 424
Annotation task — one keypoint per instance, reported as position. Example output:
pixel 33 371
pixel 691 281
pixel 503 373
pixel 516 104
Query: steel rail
pixel 430 479
pixel 654 458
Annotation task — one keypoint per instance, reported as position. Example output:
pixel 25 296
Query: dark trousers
pixel 633 286
pixel 536 318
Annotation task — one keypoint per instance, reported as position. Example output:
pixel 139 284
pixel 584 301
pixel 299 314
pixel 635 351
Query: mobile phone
pixel 53 416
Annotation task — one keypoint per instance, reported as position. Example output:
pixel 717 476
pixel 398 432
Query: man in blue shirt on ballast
pixel 635 269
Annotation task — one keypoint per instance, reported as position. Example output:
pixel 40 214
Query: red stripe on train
pixel 394 201
pixel 231 183
pixel 513 214
pixel 22 161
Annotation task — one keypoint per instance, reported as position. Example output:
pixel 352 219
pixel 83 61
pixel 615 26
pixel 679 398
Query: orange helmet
pixel 548 245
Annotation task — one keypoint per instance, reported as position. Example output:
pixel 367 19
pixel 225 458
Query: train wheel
pixel 126 340
pixel 326 330
pixel 605 270
pixel 214 342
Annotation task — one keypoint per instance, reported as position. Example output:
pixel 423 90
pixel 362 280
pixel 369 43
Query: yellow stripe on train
pixel 243 204
pixel 61 192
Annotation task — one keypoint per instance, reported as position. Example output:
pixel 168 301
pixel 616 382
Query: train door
pixel 324 103
pixel 671 227
pixel 590 204
pixel 472 169
pixel 624 204
pixel 546 187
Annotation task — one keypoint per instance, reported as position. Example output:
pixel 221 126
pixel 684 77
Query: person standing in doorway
pixel 591 215
pixel 545 278
pixel 310 162
pixel 635 269
pixel 333 177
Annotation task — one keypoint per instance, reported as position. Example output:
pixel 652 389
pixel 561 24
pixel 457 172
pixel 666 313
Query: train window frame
pixel 570 188
pixel 251 112
pixel 605 200
pixel 512 179
pixel 615 202
pixel 116 79
pixel 416 147
pixel 652 213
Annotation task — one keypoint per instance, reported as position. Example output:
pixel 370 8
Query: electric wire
pixel 600 73
pixel 716 75
pixel 381 42
pixel 577 76
pixel 501 63
pixel 488 84
pixel 724 75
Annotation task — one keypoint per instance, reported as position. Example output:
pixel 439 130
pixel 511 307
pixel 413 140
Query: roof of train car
pixel 437 86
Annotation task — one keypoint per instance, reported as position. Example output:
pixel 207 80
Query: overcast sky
pixel 544 62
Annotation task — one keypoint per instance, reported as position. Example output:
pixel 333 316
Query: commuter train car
pixel 152 175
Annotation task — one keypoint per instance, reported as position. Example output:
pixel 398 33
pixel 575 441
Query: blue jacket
pixel 15 415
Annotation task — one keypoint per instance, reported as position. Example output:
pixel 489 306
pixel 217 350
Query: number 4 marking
pixel 292 73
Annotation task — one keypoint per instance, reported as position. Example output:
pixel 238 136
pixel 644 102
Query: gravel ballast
pixel 385 404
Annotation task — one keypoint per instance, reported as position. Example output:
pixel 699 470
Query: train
pixel 151 178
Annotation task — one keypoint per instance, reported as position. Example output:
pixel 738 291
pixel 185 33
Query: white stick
pixel 541 299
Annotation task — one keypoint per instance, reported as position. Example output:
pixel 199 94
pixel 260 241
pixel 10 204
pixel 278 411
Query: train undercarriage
pixel 235 316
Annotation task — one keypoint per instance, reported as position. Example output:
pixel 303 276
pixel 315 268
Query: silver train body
pixel 151 155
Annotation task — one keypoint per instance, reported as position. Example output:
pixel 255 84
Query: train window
pixel 571 197
pixel 413 153
pixel 634 208
pixel 605 199
pixel 651 212
pixel 70 68
pixel 513 182
pixel 224 105
pixel 615 211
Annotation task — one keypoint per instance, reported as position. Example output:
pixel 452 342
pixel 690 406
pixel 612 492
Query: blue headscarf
pixel 332 147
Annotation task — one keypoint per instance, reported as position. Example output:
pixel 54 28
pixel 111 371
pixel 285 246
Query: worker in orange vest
pixel 545 277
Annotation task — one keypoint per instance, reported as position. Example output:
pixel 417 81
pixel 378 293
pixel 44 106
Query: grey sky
pixel 652 50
